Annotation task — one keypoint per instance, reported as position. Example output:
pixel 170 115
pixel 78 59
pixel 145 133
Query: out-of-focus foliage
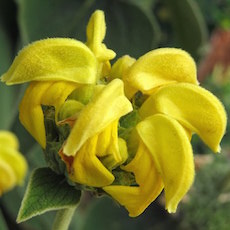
pixel 208 203
pixel 133 27
pixel 216 12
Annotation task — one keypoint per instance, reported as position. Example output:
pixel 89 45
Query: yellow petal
pixel 87 168
pixel 172 154
pixel 53 59
pixel 137 198
pixel 57 93
pixel 121 66
pixel 160 67
pixel 16 161
pixel 104 139
pixel 91 163
pixel 8 139
pixel 42 93
pixel 96 30
pixel 7 178
pixel 111 149
pixel 194 107
pixel 119 69
pixel 108 105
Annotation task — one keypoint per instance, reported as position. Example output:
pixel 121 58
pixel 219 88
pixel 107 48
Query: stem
pixel 63 218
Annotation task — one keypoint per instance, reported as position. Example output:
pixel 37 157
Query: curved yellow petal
pixel 104 139
pixel 96 30
pixel 42 93
pixel 160 67
pixel 108 105
pixel 121 66
pixel 87 169
pixel 111 150
pixel 194 107
pixel 16 161
pixel 119 69
pixel 108 147
pixel 98 154
pixel 53 59
pixel 8 139
pixel 172 155
pixel 57 93
pixel 137 198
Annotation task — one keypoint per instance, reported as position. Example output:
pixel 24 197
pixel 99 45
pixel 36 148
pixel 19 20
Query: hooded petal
pixel 108 146
pixel 160 67
pixel 108 105
pixel 137 198
pixel 42 93
pixel 172 155
pixel 87 169
pixel 194 107
pixel 53 59
pixel 98 154
pixel 96 30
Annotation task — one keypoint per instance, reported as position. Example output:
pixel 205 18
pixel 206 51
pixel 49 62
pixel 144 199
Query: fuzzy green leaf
pixel 47 191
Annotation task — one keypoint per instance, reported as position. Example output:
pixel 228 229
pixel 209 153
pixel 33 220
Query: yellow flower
pixel 131 151
pixel 163 160
pixel 60 70
pixel 94 135
pixel 175 108
pixel 13 165
pixel 56 67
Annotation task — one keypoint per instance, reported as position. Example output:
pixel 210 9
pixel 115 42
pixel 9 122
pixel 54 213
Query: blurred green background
pixel 134 27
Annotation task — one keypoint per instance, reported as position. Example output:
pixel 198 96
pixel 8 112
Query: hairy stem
pixel 63 218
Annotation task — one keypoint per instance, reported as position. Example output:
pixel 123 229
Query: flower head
pixel 124 129
pixel 13 165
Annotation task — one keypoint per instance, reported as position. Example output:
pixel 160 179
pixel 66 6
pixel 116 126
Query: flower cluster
pixel 123 129
pixel 13 165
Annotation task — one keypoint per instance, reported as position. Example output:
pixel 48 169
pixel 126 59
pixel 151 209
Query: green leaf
pixel 188 24
pixel 47 191
pixel 53 18
pixel 130 30
pixel 6 93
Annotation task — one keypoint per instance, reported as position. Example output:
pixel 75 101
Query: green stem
pixel 63 218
